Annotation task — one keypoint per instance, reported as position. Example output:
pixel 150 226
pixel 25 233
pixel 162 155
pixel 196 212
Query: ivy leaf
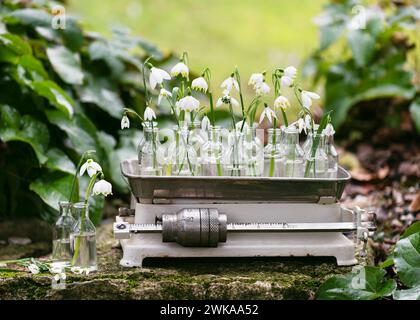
pixel 409 294
pixel 33 66
pixel 31 17
pixel 407 259
pixel 66 64
pixel 362 45
pixel 55 95
pixel 59 161
pixel 99 50
pixel 366 283
pixel 52 187
pixel 415 113
pixel 26 129
pixel 15 43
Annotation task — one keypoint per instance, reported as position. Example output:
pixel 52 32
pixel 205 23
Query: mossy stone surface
pixel 240 278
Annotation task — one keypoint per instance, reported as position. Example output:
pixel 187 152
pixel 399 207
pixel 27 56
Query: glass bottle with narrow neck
pixel 142 141
pixel 254 151
pixel 332 156
pixel 273 155
pixel 197 138
pixel 63 227
pixel 307 145
pixel 149 164
pixel 234 155
pixel 185 154
pixel 316 159
pixel 211 163
pixel 293 154
pixel 83 239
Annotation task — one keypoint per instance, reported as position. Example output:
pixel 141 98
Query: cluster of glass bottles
pixel 74 237
pixel 191 151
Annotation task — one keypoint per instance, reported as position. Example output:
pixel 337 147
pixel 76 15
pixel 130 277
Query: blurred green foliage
pixel 367 57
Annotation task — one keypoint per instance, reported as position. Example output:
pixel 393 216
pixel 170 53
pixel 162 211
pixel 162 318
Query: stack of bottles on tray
pixel 189 150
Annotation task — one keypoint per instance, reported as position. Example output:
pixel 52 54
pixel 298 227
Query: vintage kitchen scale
pixel 196 216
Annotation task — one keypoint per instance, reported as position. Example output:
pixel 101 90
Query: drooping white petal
pixel 83 168
pixel 229 84
pixel 157 76
pixel 102 187
pixel 219 103
pixel 307 97
pixel 290 72
pixel 308 122
pixel 286 81
pixel 189 104
pixel 91 167
pixel 256 79
pixel 199 84
pixel 163 93
pixel 180 68
pixel 33 268
pixel 234 102
pixel 205 123
pixel 301 125
pixel 269 113
pixel 281 102
pixel 262 89
pixel 125 122
pixel 329 130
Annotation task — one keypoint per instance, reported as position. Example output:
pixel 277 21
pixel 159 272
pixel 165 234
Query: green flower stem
pixel 73 184
pixel 274 138
pixel 87 195
pixel 286 123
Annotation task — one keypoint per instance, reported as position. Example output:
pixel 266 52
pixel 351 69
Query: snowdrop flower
pixel 307 97
pixel 301 125
pixel 238 125
pixel 227 99
pixel 149 114
pixel 205 123
pixel 125 122
pixel 60 276
pixel 256 79
pixel 308 122
pixel 91 167
pixel 180 68
pixel 262 89
pixel 56 268
pixel 163 93
pixel 102 187
pixel 329 130
pixel 33 268
pixel 229 84
pixel 188 104
pixel 290 72
pixel 286 81
pixel 157 76
pixel 269 113
pixel 281 102
pixel 199 84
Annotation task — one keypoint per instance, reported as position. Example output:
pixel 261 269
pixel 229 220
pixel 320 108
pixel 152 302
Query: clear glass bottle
pixel 143 140
pixel 185 159
pixel 293 154
pixel 273 154
pixel 63 227
pixel 83 239
pixel 197 138
pixel 254 151
pixel 316 160
pixel 332 155
pixel 307 145
pixel 211 154
pixel 234 155
pixel 149 164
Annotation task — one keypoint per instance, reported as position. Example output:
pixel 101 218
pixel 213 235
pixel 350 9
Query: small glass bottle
pixel 211 155
pixel 293 154
pixel 234 155
pixel 332 155
pixel 254 151
pixel 307 145
pixel 185 160
pixel 63 227
pixel 143 140
pixel 149 164
pixel 273 155
pixel 83 239
pixel 316 159
pixel 197 139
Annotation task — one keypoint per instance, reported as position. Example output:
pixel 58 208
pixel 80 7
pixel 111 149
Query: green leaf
pixel 66 64
pixel 415 113
pixel 362 45
pixel 59 161
pixel 52 187
pixel 14 127
pixel 55 95
pixel 365 283
pixel 33 66
pixel 414 228
pixel 407 259
pixel 72 34
pixel 100 92
pixel 99 50
pixel 31 17
pixel 16 44
pixel 330 34
pixel 409 294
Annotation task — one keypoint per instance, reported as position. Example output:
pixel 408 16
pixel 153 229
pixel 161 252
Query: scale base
pixel 317 244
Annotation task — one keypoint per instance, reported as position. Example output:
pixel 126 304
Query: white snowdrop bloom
pixel 102 187
pixel 329 130
pixel 269 113
pixel 91 167
pixel 125 122
pixel 180 68
pixel 229 84
pixel 286 81
pixel 308 122
pixel 56 267
pixel 188 104
pixel 199 84
pixel 226 99
pixel 33 268
pixel 149 114
pixel 157 76
pixel 262 89
pixel 205 123
pixel 238 125
pixel 301 125
pixel 290 72
pixel 281 102
pixel 60 276
pixel 163 94
pixel 307 97
pixel 256 79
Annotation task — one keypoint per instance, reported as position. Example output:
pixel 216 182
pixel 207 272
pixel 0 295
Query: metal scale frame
pixel 196 216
